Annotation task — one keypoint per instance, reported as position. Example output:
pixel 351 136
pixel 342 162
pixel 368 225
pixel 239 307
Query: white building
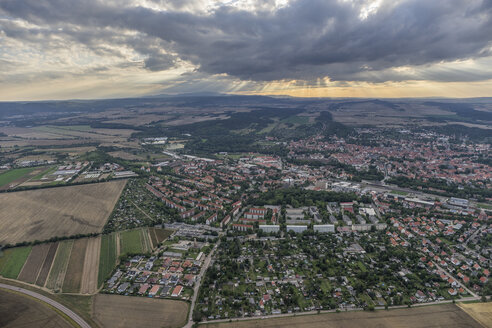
pixel 324 228
pixel 297 228
pixel 269 228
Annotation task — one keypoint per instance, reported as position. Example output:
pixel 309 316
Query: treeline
pixel 51 240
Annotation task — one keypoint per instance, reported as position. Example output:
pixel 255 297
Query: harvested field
pixel 56 212
pixel 33 264
pixel 131 241
pixel 448 315
pixel 57 273
pixel 17 310
pixel 48 261
pixel 73 276
pixel 13 260
pixel 482 312
pixel 91 266
pixel 124 311
pixel 108 257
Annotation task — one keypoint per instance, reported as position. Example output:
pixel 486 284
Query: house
pixel 143 289
pixel 153 291
pixel 177 291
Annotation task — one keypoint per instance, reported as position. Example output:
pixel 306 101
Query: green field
pixel 12 175
pixel 108 257
pixel 13 260
pixel 50 169
pixel 131 242
pixel 60 263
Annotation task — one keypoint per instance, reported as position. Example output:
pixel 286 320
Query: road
pixel 81 322
pixel 459 282
pixel 198 282
pixel 479 230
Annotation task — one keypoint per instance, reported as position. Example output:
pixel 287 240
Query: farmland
pixel 17 310
pixel 133 241
pixel 34 263
pixel 55 212
pixel 158 235
pixel 9 177
pixel 108 257
pixel 482 312
pixel 57 273
pixel 91 266
pixel 448 315
pixel 45 269
pixel 13 260
pixel 73 276
pixel 123 311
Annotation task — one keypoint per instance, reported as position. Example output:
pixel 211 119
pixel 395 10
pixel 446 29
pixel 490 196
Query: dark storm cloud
pixel 304 40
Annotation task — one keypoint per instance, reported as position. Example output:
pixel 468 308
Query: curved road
pixel 81 322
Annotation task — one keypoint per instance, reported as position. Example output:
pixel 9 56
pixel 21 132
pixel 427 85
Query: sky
pixel 86 49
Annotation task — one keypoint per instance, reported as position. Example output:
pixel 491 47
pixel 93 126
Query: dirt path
pixel 91 266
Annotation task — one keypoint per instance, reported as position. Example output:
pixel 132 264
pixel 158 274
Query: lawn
pixel 12 175
pixel 13 260
pixel 108 257
pixel 131 242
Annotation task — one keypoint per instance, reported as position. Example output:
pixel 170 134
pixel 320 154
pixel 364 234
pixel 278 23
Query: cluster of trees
pixel 298 197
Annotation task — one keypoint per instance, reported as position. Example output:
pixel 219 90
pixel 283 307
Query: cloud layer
pixel 256 41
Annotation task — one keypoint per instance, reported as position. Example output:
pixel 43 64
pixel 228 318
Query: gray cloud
pixel 305 40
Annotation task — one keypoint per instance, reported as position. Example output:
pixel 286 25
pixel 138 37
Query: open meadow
pixel 448 315
pixel 124 311
pixel 55 212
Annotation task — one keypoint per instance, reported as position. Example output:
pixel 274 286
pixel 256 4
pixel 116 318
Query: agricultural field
pixel 73 276
pixel 48 261
pixel 124 311
pixel 91 266
pixel 13 260
pixel 157 236
pixel 15 176
pixel 59 267
pixel 17 310
pixel 134 241
pixel 108 257
pixel 482 312
pixel 448 315
pixel 56 212
pixel 33 264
